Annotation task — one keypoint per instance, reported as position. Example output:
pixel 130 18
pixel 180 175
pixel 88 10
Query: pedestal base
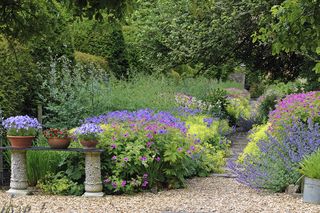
pixel 18 192
pixel 93 194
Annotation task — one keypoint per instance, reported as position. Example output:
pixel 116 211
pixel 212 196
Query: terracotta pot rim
pixel 58 138
pixel 11 136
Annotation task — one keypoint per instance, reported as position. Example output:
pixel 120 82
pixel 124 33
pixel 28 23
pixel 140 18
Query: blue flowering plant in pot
pixel 21 130
pixel 88 135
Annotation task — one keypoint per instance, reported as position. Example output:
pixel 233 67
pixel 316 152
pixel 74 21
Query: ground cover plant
pixel 271 159
pixel 146 149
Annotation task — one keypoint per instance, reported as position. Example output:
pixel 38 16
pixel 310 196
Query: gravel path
pixel 211 194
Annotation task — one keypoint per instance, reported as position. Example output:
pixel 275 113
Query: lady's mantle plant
pixel 21 126
pixel 88 131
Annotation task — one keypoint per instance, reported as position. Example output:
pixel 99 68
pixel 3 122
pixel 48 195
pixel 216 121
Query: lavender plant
pixel 21 126
pixel 277 165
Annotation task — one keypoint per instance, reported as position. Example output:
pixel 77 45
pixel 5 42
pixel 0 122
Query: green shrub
pixel 88 59
pixel 272 95
pixel 238 107
pixel 145 149
pixel 60 184
pixel 218 101
pixel 257 134
pixel 310 166
pixel 41 162
pixel 19 79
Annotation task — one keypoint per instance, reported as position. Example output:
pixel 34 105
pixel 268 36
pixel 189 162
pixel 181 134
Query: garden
pixel 159 106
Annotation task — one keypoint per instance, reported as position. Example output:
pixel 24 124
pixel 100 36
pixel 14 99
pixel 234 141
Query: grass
pixel 151 91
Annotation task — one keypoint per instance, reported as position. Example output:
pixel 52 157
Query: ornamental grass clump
pixel 149 150
pixel 310 166
pixel 21 126
pixel 277 165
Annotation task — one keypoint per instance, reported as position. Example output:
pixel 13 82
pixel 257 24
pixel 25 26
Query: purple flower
pixel 158 159
pixel 107 180
pixel 162 131
pixel 180 149
pixel 126 159
pixel 113 146
pixel 114 157
pixel 114 184
pixel 145 183
pixel 145 176
pixel 88 131
pixel 143 158
pixel 21 126
pixel 123 183
pixel 192 148
pixel 149 144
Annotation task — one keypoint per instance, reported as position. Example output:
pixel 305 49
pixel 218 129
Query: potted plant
pixel 57 138
pixel 88 135
pixel 310 168
pixel 21 130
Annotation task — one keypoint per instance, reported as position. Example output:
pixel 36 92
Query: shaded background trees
pixel 270 40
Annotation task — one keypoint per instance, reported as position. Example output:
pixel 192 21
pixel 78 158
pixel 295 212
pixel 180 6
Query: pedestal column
pixel 93 183
pixel 18 180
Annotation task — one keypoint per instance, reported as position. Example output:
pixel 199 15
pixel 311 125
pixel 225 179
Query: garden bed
pixel 211 194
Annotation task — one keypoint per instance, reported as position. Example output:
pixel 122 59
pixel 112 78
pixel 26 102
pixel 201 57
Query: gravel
pixel 211 194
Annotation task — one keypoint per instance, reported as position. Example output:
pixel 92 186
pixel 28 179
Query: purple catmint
pixel 278 162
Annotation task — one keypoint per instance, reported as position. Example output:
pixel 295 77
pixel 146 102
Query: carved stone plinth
pixel 93 183
pixel 18 180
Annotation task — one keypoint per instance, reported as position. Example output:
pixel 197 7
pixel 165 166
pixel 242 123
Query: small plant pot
pixel 311 191
pixel 89 144
pixel 21 141
pixel 59 143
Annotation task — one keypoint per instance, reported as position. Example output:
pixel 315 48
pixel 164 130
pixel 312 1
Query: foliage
pixel 310 166
pixel 217 98
pixel 39 163
pixel 21 126
pixel 277 165
pixel 18 82
pixel 257 134
pixel 191 103
pixel 295 28
pixel 56 133
pixel 147 149
pixel 272 95
pixel 103 39
pixel 301 106
pixel 184 33
pixel 88 131
pixel 88 59
pixel 238 107
pixel 237 93
pixel 60 184
pixel 69 93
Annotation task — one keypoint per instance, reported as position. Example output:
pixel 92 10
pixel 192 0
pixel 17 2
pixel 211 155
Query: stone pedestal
pixel 93 183
pixel 18 180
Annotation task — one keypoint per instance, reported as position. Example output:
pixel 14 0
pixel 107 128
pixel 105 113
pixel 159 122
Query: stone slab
pixel 18 193
pixel 93 194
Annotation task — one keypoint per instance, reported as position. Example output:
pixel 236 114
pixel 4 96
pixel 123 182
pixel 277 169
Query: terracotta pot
pixel 90 144
pixel 59 143
pixel 21 141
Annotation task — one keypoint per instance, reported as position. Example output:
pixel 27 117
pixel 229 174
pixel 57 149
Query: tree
pixel 295 28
